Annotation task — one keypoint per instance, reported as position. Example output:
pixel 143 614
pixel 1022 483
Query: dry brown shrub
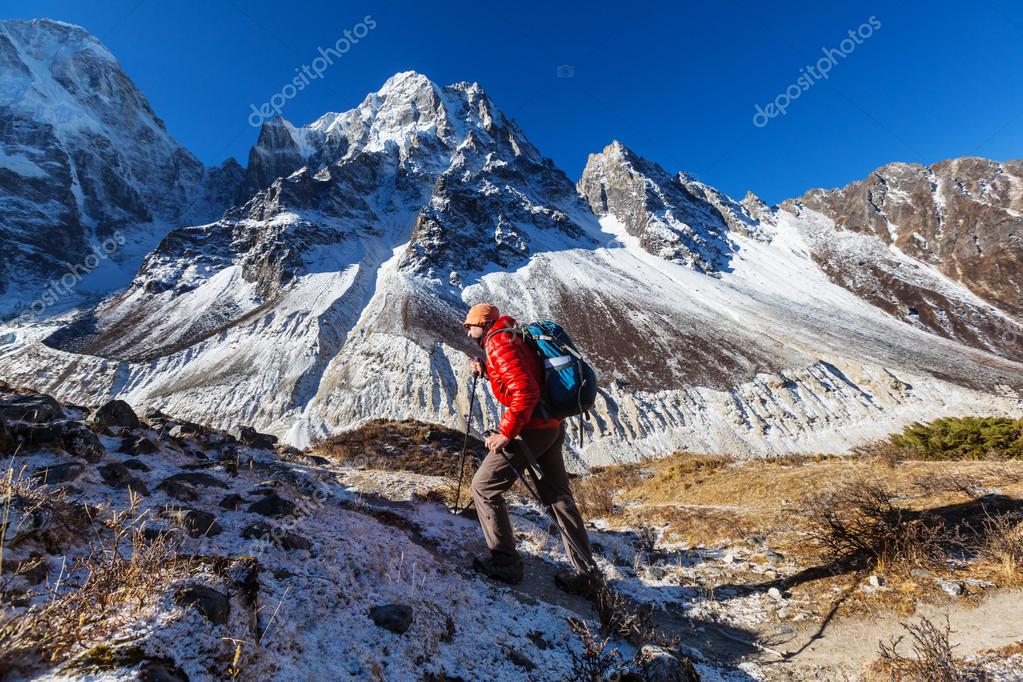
pixel 100 592
pixel 884 452
pixel 624 617
pixel 932 661
pixel 1003 544
pixel 596 662
pixel 860 523
pixel 597 491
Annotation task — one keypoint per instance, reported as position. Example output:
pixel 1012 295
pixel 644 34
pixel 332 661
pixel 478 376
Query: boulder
pixel 254 439
pixel 178 490
pixel 273 505
pixel 161 670
pixel 79 440
pixel 199 479
pixel 36 409
pixel 153 533
pixel 152 415
pixel 394 617
pixel 219 439
pixel 214 605
pixel 197 523
pixel 231 501
pixel 30 435
pixel 137 465
pixel 117 475
pixel 58 473
pixel 952 589
pixel 285 539
pixel 183 431
pixel 138 445
pixel 116 413
pixel 663 665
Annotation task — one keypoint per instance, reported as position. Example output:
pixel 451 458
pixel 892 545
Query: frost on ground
pixel 161 549
pixel 268 563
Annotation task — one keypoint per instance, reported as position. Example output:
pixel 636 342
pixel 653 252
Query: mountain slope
pixel 83 157
pixel 334 294
pixel 964 216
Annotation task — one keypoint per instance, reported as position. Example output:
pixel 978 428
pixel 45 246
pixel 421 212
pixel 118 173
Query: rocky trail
pixel 281 556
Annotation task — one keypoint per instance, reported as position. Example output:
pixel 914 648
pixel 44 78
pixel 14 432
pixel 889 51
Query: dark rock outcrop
pixel 254 439
pixel 37 409
pixel 394 617
pixel 265 532
pixel 196 523
pixel 213 605
pixel 59 473
pixel 273 505
pixel 116 413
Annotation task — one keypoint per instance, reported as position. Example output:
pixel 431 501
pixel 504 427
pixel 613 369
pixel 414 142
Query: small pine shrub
pixel 963 438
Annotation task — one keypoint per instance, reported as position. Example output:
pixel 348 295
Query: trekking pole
pixel 465 444
pixel 550 513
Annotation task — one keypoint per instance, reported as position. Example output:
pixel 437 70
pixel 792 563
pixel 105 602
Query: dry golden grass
pixel 412 446
pixel 1003 548
pixel 100 591
pixel 1014 649
pixel 715 501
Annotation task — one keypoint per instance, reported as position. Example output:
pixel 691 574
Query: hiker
pixel 516 378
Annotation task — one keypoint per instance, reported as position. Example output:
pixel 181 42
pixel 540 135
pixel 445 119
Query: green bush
pixel 963 438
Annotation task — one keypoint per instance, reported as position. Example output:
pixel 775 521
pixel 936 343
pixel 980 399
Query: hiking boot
pixel 500 569
pixel 582 584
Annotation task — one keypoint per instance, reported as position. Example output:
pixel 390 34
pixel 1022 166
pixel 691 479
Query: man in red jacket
pixel 516 378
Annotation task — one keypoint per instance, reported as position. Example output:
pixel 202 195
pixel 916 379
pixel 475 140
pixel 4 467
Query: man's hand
pixel 496 441
pixel 477 367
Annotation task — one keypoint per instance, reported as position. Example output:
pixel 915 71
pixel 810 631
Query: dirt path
pixel 846 646
pixel 840 650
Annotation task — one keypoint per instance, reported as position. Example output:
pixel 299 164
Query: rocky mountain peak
pixel 963 216
pixel 677 218
pixel 82 156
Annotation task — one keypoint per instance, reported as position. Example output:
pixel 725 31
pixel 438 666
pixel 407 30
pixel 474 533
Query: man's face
pixel 474 331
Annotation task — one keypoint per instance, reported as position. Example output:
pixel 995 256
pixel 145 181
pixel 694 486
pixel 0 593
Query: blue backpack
pixel 570 385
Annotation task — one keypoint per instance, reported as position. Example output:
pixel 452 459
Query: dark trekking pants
pixel 495 477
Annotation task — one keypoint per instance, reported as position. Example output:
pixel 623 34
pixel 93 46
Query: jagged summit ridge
pixel 677 218
pixel 82 156
pixel 333 292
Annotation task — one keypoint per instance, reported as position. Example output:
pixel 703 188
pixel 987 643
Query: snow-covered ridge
pixel 333 292
pixel 82 156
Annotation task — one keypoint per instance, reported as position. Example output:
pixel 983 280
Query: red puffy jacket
pixel 516 377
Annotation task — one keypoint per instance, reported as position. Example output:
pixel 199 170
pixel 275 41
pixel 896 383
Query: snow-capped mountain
pixel 334 292
pixel 677 218
pixel 82 157
pixel 963 217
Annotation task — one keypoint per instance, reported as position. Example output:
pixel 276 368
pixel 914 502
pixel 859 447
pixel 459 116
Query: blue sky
pixel 676 82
